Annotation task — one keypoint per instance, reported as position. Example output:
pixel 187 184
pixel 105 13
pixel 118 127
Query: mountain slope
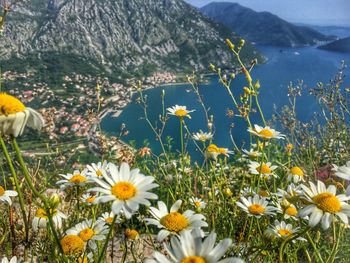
pixel 261 27
pixel 341 45
pixel 124 37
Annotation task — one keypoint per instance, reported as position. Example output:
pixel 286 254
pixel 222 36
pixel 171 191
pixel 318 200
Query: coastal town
pixel 73 108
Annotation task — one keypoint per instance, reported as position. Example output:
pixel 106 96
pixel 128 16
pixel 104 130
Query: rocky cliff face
pixel 118 37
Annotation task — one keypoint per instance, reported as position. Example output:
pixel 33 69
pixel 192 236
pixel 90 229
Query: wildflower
pixel 97 170
pixel 88 198
pixel 131 234
pixel 324 205
pixel 12 260
pixel 282 230
pixel 197 203
pixel 214 151
pixel 264 169
pixel 179 111
pixel 251 153
pixel 41 219
pixel 14 116
pixel 76 179
pixel 287 209
pixel 256 206
pixel 292 193
pixel 296 174
pixel 174 222
pixel 6 194
pixel 202 136
pixel 265 133
pixel 189 248
pixel 72 245
pixel 127 189
pixel 108 218
pixel 145 151
pixel 344 173
pixel 89 232
pixel 289 148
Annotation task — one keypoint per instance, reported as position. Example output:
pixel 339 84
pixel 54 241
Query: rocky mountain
pixel 341 45
pixel 261 27
pixel 121 38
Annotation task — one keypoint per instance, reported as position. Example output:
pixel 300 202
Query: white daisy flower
pixel 127 189
pixel 343 172
pixel 6 194
pixel 256 206
pixel 213 151
pixel 292 192
pixel 283 230
pixel 296 174
pixel 197 202
pixel 251 153
pixel 89 232
pixel 202 136
pixel 324 205
pixel 97 170
pixel 173 222
pixel 265 133
pixel 179 111
pixel 88 198
pixel 189 248
pixel 108 217
pixel 264 169
pixel 76 179
pixel 287 209
pixel 41 219
pixel 14 116
pixel 12 260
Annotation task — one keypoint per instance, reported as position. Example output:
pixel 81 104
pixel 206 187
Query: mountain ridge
pixel 127 38
pixel 263 28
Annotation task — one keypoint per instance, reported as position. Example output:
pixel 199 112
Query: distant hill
pixel 123 38
pixel 341 45
pixel 262 28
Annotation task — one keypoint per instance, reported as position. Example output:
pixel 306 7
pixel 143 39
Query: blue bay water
pixel 283 66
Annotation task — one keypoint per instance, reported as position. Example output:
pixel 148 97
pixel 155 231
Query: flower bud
pixel 229 44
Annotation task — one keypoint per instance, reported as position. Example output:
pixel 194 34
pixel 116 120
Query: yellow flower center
pixel 131 234
pixel 42 214
pixel 327 202
pixel 197 203
pixel 77 179
pixel 90 199
pixel 86 234
pixel 82 260
pixel 174 222
pixel 297 171
pixel 263 193
pixel 123 190
pixel 291 211
pixel 109 220
pixel 284 232
pixel 72 244
pixel 181 113
pixel 99 173
pixel 193 259
pixel 265 133
pixel 2 191
pixel 256 209
pixel 222 150
pixel 212 148
pixel 10 104
pixel 263 169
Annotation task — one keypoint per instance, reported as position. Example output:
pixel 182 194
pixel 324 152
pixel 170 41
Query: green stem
pixel 181 136
pixel 314 247
pixel 36 192
pixel 18 187
pixel 100 258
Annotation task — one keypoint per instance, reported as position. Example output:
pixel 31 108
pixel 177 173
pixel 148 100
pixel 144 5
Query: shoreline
pixel 115 113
